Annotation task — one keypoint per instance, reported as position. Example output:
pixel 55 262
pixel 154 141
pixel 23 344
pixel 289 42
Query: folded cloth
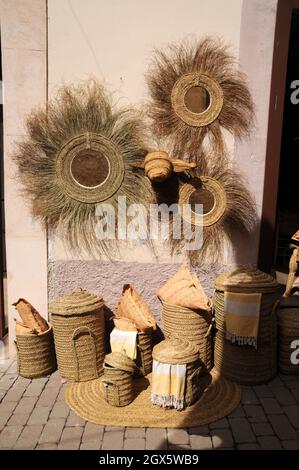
pixel 168 385
pixel 124 342
pixel 242 316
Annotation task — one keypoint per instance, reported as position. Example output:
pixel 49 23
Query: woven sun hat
pixel 219 399
pixel 79 335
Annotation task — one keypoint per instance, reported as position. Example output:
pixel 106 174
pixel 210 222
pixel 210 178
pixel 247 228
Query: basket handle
pixel 106 384
pixel 76 332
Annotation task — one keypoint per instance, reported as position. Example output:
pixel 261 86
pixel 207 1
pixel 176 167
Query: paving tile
pixel 29 437
pixel 93 433
pixel 70 438
pixel 276 382
pixel 113 440
pixel 242 430
pixel 263 391
pixel 114 428
pixel 198 442
pixel 249 397
pixel 92 445
pixel 134 444
pixel 199 431
pixel 55 379
pixel 135 433
pixel 9 436
pixel 52 431
pixel 8 406
pixel 262 429
pixel 60 410
pixel 179 447
pixel 16 419
pixel 74 420
pixel 39 415
pixel 269 443
pixel 14 394
pixel 60 395
pixel 7 381
pixel 292 413
pixel 282 427
pixel 177 436
pixel 5 364
pixel 284 396
pixel 249 446
pixel 222 438
pixel 25 405
pixel 22 382
pixel 295 393
pixel 254 411
pixel 290 445
pixel 271 406
pixel 155 439
pixel 4 417
pixel 13 369
pixel 220 424
pixel 48 396
pixel 46 446
pixel 237 412
pixel 34 389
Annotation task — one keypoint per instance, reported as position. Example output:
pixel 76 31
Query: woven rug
pixel 218 400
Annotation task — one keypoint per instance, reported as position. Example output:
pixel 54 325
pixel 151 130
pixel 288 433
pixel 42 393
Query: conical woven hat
pixel 175 351
pixel 77 302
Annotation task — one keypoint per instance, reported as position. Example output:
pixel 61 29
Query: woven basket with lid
pixel 79 335
pixel 117 381
pixel 36 354
pixel 178 351
pixel 245 364
pixel 288 326
pixel 190 325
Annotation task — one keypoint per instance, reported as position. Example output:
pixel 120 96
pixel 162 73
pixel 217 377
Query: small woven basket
pixel 288 326
pixel 144 360
pixel 190 325
pixel 178 351
pixel 245 364
pixel 36 354
pixel 117 381
pixel 79 335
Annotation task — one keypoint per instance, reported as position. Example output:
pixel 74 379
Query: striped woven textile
pixel 124 342
pixel 168 385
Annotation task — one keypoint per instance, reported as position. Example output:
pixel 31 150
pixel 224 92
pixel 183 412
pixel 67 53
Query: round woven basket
pixel 79 335
pixel 288 324
pixel 36 354
pixel 144 360
pixel 177 351
pixel 245 364
pixel 190 325
pixel 117 381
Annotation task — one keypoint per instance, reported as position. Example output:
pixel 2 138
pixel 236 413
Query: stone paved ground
pixel 33 415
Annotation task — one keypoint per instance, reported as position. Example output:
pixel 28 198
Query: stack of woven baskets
pixel 245 364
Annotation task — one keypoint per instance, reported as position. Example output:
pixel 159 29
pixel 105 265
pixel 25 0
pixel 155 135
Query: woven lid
pixel 120 361
pixel 75 303
pixel 175 351
pixel 246 280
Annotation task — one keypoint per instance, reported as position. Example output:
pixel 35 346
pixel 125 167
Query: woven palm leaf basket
pixel 144 360
pixel 36 354
pixel 177 351
pixel 288 332
pixel 190 325
pixel 79 335
pixel 245 364
pixel 117 380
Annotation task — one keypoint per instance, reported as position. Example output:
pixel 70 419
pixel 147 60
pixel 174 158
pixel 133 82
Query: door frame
pixel 276 108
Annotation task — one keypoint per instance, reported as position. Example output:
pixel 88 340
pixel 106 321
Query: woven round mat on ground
pixel 220 398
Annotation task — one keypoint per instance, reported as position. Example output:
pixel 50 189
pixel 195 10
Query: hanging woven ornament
pixel 197 91
pixel 77 155
pixel 227 208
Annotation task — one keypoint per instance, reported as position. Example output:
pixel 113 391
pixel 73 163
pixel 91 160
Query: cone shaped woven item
pixel 220 399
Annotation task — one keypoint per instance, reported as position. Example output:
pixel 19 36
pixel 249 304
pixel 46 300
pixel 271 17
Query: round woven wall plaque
pixel 102 149
pixel 215 190
pixel 179 99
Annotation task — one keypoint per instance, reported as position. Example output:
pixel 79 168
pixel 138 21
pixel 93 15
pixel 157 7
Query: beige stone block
pixel 23 24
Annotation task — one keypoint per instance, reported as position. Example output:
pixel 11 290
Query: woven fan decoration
pixel 196 90
pixel 78 153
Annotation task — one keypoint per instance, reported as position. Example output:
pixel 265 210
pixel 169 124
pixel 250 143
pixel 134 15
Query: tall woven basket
pixel 117 380
pixel 79 335
pixel 190 325
pixel 177 351
pixel 288 326
pixel 144 360
pixel 245 364
pixel 36 354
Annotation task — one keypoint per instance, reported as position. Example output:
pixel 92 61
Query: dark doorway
pixel 3 317
pixel 287 221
